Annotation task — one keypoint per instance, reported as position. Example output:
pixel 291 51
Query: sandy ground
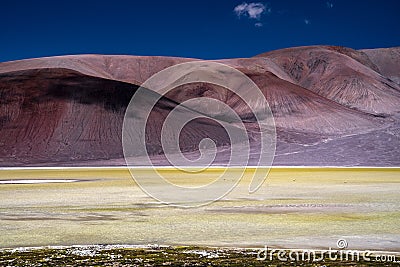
pixel 295 208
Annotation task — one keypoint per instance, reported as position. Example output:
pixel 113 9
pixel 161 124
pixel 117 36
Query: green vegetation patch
pixel 154 256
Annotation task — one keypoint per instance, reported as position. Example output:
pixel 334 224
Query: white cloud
pixel 258 24
pixel 307 21
pixel 329 4
pixel 251 10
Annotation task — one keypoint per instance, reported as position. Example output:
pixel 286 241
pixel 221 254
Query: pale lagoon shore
pixel 295 208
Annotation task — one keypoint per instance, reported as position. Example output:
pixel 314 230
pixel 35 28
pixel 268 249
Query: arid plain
pixel 295 208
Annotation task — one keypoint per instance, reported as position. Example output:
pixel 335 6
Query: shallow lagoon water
pixel 295 208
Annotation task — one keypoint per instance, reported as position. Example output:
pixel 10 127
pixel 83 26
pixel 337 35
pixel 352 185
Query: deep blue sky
pixel 201 29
